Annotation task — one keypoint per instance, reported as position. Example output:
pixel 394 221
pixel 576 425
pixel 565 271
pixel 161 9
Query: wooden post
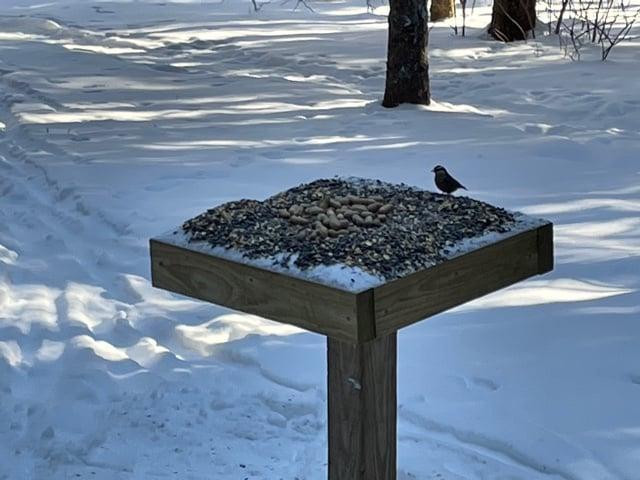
pixel 362 401
pixel 360 325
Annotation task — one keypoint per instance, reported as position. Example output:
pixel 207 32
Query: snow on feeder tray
pixel 355 260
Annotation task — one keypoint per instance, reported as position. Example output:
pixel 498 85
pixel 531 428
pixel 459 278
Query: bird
pixel 446 182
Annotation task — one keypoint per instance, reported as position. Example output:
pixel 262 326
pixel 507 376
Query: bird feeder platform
pixel 355 260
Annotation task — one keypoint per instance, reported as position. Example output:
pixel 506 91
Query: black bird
pixel 446 182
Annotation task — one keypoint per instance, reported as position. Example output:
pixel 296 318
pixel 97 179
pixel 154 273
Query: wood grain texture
pixel 456 281
pixel 545 248
pixel 353 317
pixel 315 307
pixel 362 405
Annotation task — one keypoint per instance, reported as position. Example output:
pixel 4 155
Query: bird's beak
pixel 433 170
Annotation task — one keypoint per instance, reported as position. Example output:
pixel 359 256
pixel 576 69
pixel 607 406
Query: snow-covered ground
pixel 119 120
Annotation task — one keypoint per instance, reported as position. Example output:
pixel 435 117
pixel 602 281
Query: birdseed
pixel 385 229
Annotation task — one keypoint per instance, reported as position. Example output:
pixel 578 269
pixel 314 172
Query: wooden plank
pixel 361 389
pixel 345 315
pixel 459 280
pixel 261 292
pixel 366 316
pixel 545 248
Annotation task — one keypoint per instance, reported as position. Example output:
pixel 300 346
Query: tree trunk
pixel 441 9
pixel 407 62
pixel 512 19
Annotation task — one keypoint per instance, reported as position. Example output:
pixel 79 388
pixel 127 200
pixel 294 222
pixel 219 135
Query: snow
pixel 343 277
pixel 522 224
pixel 122 119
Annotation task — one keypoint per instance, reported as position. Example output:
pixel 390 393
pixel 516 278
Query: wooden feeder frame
pixel 361 327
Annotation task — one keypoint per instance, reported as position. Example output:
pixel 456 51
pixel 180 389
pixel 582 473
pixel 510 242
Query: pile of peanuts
pixel 331 217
